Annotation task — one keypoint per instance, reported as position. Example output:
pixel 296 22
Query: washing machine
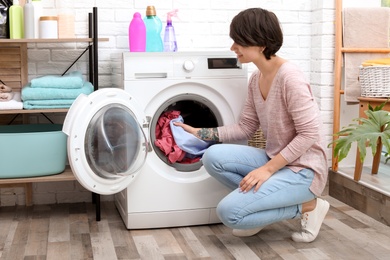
pixel 112 135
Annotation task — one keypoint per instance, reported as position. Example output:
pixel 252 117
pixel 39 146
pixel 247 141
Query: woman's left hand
pixel 254 179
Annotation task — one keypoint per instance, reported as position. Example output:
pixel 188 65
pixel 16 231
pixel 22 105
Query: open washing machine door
pixel 106 143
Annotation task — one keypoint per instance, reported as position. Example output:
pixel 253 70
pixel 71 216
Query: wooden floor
pixel 370 195
pixel 69 231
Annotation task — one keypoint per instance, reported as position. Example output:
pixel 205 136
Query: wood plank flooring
pixel 69 231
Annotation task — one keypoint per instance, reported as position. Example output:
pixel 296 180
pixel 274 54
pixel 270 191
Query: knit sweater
pixel 290 120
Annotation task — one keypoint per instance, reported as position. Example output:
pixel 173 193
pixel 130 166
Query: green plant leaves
pixel 365 133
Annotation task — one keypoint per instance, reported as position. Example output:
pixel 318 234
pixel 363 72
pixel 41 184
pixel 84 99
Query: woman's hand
pixel 255 178
pixel 186 127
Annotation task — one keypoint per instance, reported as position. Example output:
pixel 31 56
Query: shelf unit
pixel 338 89
pixel 22 79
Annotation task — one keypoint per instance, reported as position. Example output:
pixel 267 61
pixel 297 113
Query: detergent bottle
pixel 153 30
pixel 137 34
pixel 170 44
pixel 16 24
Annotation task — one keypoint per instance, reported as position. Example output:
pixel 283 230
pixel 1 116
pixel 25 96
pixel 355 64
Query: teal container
pixel 32 150
pixel 153 26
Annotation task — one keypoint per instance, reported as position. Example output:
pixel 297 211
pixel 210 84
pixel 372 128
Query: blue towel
pixel 47 104
pixel 72 80
pixel 29 93
pixel 186 141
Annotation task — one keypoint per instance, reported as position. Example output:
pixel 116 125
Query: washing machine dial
pixel 189 65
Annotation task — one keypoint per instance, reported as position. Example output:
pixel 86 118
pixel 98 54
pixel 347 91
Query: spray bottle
pixel 170 44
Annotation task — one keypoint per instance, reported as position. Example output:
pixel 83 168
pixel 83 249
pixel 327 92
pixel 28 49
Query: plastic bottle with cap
pixel 137 34
pixel 153 30
pixel 16 24
pixel 29 29
pixel 170 44
pixel 38 9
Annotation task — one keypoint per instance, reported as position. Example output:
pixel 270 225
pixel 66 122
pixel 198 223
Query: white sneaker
pixel 246 232
pixel 311 222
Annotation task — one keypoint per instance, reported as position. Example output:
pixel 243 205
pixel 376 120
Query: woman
pixel 284 180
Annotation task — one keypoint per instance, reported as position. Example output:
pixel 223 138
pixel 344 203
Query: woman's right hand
pixel 187 128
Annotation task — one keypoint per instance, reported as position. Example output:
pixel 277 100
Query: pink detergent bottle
pixel 137 34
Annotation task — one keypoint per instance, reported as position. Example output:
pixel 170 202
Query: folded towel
pixel 72 80
pixel 47 104
pixel 29 93
pixel 6 96
pixel 14 103
pixel 376 62
pixel 4 88
pixel 361 29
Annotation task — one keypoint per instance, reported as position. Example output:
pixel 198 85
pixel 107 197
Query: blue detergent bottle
pixel 153 30
pixel 170 44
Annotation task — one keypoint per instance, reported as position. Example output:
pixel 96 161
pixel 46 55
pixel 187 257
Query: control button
pixel 188 65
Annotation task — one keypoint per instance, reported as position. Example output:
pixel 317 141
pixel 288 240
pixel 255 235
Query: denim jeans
pixel 279 198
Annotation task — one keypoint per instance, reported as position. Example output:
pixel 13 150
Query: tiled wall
pixel 204 25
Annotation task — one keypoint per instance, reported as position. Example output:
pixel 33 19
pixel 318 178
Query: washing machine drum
pixel 110 145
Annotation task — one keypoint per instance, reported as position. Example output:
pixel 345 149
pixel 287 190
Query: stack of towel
pixel 54 91
pixel 376 62
pixel 8 98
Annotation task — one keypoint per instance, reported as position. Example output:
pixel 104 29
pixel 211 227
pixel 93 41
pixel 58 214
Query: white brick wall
pixel 308 27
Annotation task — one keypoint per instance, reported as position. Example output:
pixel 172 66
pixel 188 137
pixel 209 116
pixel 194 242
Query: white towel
pixel 362 28
pixel 15 103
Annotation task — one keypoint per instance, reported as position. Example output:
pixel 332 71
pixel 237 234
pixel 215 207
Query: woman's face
pixel 247 54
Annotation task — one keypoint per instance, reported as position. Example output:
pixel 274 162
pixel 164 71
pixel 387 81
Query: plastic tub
pixel 32 150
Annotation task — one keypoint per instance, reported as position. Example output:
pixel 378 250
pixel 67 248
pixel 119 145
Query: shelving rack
pixel 338 89
pixel 92 48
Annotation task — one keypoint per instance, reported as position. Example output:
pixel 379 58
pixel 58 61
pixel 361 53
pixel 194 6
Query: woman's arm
pixel 206 134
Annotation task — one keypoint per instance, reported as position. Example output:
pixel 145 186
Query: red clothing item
pixel 164 137
pixel 166 142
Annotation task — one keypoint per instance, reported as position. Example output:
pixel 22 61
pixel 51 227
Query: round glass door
pixel 113 142
pixel 106 142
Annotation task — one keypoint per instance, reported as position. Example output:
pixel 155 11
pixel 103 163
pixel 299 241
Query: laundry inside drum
pixel 172 144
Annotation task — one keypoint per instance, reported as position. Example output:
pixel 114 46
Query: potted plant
pixel 367 132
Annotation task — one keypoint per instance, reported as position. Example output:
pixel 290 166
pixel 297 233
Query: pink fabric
pixel 164 137
pixel 290 120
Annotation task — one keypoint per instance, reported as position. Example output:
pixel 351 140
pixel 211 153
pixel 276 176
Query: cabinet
pixel 18 76
pixel 338 89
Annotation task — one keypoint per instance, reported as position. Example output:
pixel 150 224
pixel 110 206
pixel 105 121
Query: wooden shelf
pixel 66 175
pixel 51 40
pixel 33 111
pixel 365 50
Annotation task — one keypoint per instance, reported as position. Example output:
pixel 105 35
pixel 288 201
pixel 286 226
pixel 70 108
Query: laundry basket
pixel 257 140
pixel 374 81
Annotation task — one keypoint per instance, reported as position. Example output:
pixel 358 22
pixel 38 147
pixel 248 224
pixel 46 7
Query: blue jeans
pixel 279 198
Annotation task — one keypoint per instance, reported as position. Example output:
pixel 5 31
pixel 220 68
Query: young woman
pixel 285 180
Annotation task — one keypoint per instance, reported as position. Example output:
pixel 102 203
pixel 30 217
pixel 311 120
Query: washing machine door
pixel 106 143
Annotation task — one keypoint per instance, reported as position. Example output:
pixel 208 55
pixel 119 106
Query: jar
pixel 65 26
pixel 48 27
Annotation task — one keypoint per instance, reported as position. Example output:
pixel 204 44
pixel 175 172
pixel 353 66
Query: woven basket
pixel 374 81
pixel 257 140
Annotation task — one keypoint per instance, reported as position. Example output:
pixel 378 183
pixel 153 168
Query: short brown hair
pixel 257 27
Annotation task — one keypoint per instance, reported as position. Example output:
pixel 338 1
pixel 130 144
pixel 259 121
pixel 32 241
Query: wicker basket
pixel 257 140
pixel 374 81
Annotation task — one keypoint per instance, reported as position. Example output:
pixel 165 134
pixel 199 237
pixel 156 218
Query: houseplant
pixel 366 133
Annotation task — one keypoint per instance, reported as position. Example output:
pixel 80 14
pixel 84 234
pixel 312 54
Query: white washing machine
pixel 112 134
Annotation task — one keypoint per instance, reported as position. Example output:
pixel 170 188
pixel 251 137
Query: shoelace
pixel 304 219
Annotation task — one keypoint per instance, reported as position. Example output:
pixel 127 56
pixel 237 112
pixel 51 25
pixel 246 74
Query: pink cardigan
pixel 290 120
